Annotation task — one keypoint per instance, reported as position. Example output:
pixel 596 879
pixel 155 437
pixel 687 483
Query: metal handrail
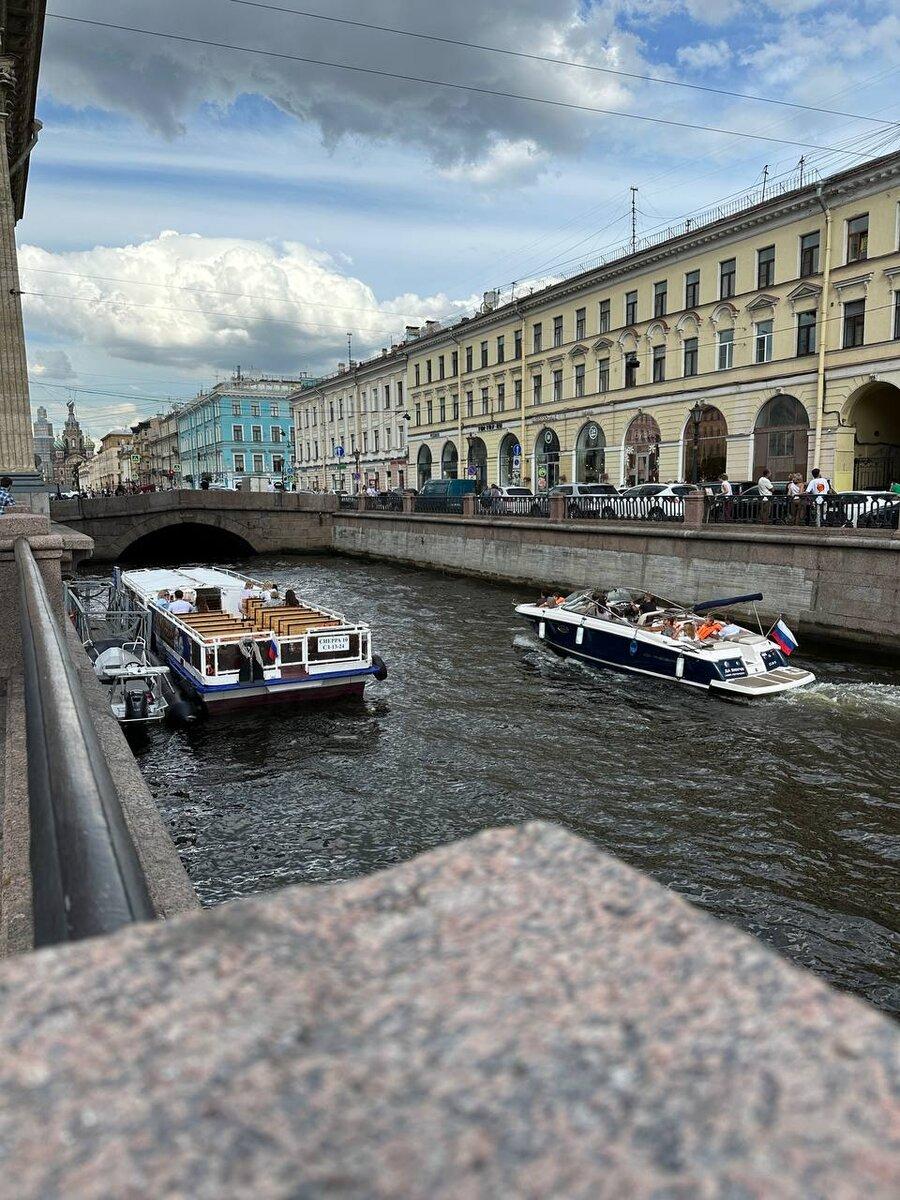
pixel 86 876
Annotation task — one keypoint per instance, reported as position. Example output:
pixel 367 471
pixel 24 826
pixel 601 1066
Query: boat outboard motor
pixel 380 666
pixel 133 706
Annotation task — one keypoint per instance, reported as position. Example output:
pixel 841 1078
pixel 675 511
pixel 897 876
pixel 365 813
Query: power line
pixel 545 58
pixel 442 83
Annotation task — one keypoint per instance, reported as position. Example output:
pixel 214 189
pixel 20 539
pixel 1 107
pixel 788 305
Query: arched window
pixel 478 462
pixel 546 459
pixel 449 461
pixel 642 451
pixel 510 472
pixel 781 438
pixel 423 463
pixel 705 446
pixel 590 454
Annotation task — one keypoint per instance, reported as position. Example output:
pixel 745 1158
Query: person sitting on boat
pixel 687 630
pixel 250 592
pixel 647 604
pixel 290 599
pixel 709 629
pixel 163 599
pixel 273 600
pixel 179 606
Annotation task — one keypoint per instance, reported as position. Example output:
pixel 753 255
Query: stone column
pixel 16 439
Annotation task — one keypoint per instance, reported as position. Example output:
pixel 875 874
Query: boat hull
pixel 256 698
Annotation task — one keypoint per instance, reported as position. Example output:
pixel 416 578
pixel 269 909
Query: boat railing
pixel 90 608
pixel 86 875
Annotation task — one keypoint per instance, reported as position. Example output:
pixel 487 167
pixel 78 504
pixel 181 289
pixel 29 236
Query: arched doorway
pixel 546 460
pixel 705 461
pixel 423 464
pixel 449 461
pixel 642 451
pixel 590 454
pixel 781 438
pixel 478 462
pixel 510 474
pixel 875 411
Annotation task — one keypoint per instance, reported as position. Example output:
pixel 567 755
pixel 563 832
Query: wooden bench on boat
pixel 211 626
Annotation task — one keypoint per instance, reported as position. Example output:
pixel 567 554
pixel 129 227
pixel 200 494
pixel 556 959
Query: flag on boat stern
pixel 782 635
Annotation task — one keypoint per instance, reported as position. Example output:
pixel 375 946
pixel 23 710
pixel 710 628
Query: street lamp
pixel 696 418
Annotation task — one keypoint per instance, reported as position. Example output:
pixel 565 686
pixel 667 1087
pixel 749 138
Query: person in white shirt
pixel 727 494
pixel 765 488
pixel 818 487
pixel 795 492
pixel 273 600
pixel 179 605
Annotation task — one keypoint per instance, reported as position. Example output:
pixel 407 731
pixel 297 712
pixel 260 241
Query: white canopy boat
pixel 631 630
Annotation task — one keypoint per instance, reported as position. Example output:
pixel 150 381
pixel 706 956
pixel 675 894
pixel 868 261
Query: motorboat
pixel 237 647
pixel 632 630
pixel 136 687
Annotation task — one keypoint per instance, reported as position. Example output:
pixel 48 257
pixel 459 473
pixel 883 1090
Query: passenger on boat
pixel 552 600
pixel 290 599
pixel 179 605
pixel 647 604
pixel 709 629
pixel 163 599
pixel 273 600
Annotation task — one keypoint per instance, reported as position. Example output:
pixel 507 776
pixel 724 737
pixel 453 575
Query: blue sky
pixel 245 209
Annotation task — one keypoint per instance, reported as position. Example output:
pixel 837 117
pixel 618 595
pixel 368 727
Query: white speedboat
pixel 635 631
pixel 136 691
pixel 237 650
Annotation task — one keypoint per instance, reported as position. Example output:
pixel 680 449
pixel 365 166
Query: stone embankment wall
pixel 840 585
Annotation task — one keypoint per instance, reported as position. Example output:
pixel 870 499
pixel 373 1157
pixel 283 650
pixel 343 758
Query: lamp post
pixel 696 418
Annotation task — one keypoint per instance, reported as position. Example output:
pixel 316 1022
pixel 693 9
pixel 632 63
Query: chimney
pixel 342 367
pixel 384 351
pixel 489 302
pixel 412 331
pixel 432 326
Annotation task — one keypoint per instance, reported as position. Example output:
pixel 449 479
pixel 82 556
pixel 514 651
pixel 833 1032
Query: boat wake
pixel 880 700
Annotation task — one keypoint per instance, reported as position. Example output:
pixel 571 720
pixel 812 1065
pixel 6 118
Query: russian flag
pixel 782 635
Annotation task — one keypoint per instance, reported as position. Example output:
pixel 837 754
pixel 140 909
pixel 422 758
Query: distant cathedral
pixel 70 452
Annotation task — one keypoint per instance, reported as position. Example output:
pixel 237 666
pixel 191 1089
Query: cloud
pixel 705 56
pixel 194 302
pixel 162 82
pixel 52 364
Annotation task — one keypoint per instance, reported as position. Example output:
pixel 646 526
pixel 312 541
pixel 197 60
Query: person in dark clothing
pixel 290 599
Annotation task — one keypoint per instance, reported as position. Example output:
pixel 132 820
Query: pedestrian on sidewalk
pixel 795 498
pixel 818 487
pixel 765 488
pixel 728 497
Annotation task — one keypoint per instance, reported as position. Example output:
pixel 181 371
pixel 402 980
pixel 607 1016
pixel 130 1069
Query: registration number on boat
pixel 334 643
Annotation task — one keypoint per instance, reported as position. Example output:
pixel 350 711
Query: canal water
pixel 782 818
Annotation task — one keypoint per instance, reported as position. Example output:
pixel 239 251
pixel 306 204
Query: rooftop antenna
pixel 765 175
pixel 801 164
pixel 634 192
pixel 349 351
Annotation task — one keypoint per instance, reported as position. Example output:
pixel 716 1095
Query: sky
pixel 192 208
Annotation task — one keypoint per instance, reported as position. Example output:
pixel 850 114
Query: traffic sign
pixel 339 451
pixel 517 451
pixel 356 475
pixel 472 471
pixel 516 462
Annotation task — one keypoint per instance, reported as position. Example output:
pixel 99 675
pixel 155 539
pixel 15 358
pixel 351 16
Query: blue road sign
pixel 517 451
pixel 339 451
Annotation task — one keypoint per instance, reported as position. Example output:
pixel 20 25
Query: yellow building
pixel 766 337
pixel 111 465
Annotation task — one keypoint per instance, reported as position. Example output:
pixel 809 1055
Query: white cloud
pixel 51 364
pixel 192 302
pixel 705 56
pixel 506 164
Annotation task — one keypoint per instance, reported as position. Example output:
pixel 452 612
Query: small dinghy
pixel 135 685
pixel 636 631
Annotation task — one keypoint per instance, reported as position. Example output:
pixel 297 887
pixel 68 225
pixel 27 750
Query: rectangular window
pixel 456 408
pixel 273 411
pixel 417 377
pixel 484 354
pixel 536 389
pixel 399 397
pixel 765 267
pixel 579 379
pixel 517 392
pixel 485 402
pixel 428 371
pixel 429 411
pixel 387 399
pixel 858 238
pixel 469 350
pixel 896 315
pixel 763 342
pixel 659 364
pixel 418 414
pixel 332 447
pixel 809 254
pixel 375 439
pixel 725 349
pixel 341 408
pixel 442 367
pixel 660 297
pixel 690 356
pixel 254 410
pixel 235 408
pixel 501 397
pixel 603 375
pixel 316 449
pixel 258 467
pixel 537 338
pixel 517 349
pixel 727 271
pixel 630 308
pixel 631 369
pixel 603 317
pixel 442 409
pixel 692 289
pixel 454 363
pixel 557 331
pixel 470 405
pixel 365 444
pixel 557 385
pixel 854 323
pixel 580 324
pixel 277 434
pixel 330 412
pixel 239 462
pixel 363 402
pixel 501 348
pixel 237 433
pixel 256 433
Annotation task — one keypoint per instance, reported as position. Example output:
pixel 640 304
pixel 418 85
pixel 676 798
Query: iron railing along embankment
pixel 86 876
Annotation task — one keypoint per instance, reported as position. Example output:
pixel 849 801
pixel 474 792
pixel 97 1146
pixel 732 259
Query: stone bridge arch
pixel 150 538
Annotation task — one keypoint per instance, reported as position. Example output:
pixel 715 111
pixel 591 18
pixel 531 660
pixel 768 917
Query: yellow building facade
pixel 766 338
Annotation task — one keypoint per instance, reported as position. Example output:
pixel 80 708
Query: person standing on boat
pixel 765 488
pixel 179 605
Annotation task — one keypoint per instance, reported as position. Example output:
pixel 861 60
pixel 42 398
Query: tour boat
pixel 634 631
pixel 235 652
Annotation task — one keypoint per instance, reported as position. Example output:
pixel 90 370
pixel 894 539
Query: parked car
pixel 515 501
pixel 650 502
pixel 745 507
pixel 444 495
pixel 582 496
pixel 867 509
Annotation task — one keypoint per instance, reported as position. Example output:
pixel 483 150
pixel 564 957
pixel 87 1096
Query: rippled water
pixel 783 817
